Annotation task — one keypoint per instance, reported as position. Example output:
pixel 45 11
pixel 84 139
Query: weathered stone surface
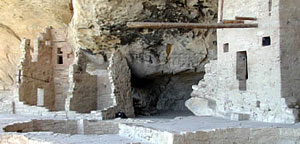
pixel 254 79
pixel 105 28
pixel 150 54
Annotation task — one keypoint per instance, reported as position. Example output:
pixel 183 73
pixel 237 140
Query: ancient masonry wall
pixel 120 78
pixel 100 86
pixel 289 52
pixel 36 72
pixel 62 55
pixel 83 90
pixel 43 78
pixel 255 94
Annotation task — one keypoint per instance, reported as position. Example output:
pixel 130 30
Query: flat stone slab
pixel 194 123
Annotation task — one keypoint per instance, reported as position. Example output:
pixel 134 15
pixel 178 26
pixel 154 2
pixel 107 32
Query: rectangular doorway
pixel 40 97
pixel 242 69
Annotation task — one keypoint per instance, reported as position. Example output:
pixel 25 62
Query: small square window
pixel 226 47
pixel 59 51
pixel 266 41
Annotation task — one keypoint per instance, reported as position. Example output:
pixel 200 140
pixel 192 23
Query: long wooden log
pixel 221 5
pixel 246 18
pixel 160 25
pixel 232 21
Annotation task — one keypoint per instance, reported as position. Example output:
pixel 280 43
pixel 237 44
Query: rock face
pixel 169 61
pixel 25 18
pixel 160 57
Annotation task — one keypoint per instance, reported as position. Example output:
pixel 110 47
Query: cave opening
pixel 163 95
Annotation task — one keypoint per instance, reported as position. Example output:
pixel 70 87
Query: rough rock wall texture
pixel 120 77
pixel 150 54
pixel 270 93
pixel 163 93
pixel 25 18
pixel 100 85
pixel 148 51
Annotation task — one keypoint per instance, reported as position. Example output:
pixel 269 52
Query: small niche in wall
pixel 60 59
pixel 266 41
pixel 59 51
pixel 226 47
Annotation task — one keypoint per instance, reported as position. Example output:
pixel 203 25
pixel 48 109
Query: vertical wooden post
pixel 220 11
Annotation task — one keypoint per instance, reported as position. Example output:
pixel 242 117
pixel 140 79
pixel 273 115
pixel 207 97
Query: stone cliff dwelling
pixel 255 76
pixel 140 71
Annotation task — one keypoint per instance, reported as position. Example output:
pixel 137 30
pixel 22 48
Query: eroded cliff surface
pixel 157 58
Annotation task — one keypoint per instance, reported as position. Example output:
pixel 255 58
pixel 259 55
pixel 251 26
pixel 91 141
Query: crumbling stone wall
pixel 42 70
pixel 150 54
pixel 120 77
pixel 37 71
pixel 83 90
pixel 101 85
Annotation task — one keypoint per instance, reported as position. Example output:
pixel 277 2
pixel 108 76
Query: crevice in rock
pixel 10 31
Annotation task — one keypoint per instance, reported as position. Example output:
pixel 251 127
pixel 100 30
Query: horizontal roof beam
pixel 167 25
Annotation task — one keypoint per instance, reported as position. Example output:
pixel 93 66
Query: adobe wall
pixel 120 77
pixel 40 70
pixel 290 51
pixel 261 99
pixel 83 89
pixel 60 47
pixel 36 71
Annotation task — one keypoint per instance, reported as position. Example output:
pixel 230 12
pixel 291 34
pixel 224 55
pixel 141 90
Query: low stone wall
pixel 87 127
pixel 219 136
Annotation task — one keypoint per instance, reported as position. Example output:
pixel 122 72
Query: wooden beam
pixel 232 21
pixel 246 18
pixel 160 25
pixel 221 7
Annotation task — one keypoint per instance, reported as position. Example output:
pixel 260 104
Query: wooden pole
pixel 232 21
pixel 221 6
pixel 154 25
pixel 246 18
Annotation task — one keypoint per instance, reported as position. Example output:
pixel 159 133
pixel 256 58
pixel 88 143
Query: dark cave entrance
pixel 163 95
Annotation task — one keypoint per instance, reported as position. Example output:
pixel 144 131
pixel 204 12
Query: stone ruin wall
pixel 120 78
pixel 270 94
pixel 36 71
pixel 290 52
pixel 61 48
pixel 40 70
pixel 83 90
pixel 99 85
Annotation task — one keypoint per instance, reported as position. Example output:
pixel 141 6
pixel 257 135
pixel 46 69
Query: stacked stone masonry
pixel 74 82
pixel 269 89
